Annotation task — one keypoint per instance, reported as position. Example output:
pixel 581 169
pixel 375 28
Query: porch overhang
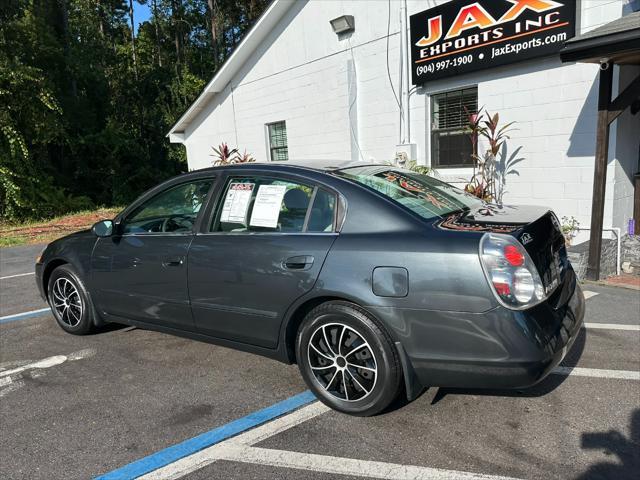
pixel 615 43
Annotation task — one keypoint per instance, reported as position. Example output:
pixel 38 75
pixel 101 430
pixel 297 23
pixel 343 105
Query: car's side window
pixel 171 211
pixel 263 204
pixel 323 212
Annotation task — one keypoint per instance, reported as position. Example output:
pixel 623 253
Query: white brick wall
pixel 300 75
pixel 598 12
pixel 627 155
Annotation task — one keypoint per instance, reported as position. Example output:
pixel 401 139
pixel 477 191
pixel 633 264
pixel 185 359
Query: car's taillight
pixel 510 271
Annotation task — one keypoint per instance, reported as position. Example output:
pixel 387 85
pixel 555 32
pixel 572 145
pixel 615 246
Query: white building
pixel 294 89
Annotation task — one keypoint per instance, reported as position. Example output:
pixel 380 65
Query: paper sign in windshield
pixel 266 208
pixel 236 203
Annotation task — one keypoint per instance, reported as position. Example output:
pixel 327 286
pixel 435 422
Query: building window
pixel 450 142
pixel 278 141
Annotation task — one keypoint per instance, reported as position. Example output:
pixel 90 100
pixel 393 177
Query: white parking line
pixel 613 326
pixel 10 380
pixel 281 424
pixel 597 373
pixel 209 455
pixel 345 466
pixel 44 363
pixel 588 294
pixel 239 449
pixel 50 362
pixel 17 275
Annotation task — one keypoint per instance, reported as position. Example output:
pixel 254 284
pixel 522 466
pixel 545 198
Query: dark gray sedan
pixel 373 279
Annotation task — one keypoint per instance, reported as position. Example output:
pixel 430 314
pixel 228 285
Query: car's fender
pixel 75 250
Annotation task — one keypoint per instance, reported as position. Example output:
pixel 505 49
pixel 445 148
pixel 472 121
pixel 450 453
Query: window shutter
pixel 278 135
pixel 450 108
pixel 450 144
pixel 278 141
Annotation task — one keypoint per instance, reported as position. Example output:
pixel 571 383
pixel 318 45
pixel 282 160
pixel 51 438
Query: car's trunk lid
pixel 537 228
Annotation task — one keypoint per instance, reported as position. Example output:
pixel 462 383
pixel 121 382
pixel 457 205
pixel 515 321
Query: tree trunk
pixel 100 18
pixel 65 42
pixel 177 27
pixel 213 11
pixel 133 40
pixel 156 23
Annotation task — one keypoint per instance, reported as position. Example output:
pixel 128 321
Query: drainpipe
pixel 405 136
pixel 618 233
pixel 407 73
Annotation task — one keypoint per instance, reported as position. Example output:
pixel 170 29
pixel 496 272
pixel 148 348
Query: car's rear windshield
pixel 422 194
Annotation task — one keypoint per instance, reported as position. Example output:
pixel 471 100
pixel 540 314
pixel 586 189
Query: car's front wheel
pixel 348 359
pixel 69 301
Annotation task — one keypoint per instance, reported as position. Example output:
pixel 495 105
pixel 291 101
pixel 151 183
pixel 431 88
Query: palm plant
pixel 223 154
pixel 243 158
pixel 228 156
pixel 485 182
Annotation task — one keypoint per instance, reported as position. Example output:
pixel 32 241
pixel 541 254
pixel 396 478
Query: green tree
pixel 86 102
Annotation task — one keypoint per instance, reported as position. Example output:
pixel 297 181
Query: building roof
pixel 230 67
pixel 617 41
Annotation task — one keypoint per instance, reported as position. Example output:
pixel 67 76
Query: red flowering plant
pixel 226 156
pixel 487 181
pixel 244 158
pixel 223 154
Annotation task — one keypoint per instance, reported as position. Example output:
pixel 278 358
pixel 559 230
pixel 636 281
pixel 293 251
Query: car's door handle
pixel 173 262
pixel 300 262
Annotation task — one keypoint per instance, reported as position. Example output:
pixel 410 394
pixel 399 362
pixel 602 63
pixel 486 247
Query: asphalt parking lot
pixel 127 402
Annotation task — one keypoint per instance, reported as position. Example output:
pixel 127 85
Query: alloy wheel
pixel 342 362
pixel 67 302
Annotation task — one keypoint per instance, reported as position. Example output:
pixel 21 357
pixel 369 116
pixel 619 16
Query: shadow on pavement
pixel 627 451
pixel 112 327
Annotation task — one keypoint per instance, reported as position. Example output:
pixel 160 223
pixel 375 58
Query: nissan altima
pixel 375 280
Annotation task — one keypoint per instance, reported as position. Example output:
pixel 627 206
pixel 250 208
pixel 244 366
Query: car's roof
pixel 315 164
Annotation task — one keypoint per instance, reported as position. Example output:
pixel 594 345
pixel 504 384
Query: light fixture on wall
pixel 343 24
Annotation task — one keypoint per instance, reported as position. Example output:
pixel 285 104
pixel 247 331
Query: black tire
pixel 367 367
pixel 71 319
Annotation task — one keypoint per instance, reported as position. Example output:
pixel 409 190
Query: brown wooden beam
pixel 600 172
pixel 624 100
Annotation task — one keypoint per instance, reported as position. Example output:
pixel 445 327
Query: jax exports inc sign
pixel 464 36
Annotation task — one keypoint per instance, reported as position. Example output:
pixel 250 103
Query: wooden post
pixel 600 173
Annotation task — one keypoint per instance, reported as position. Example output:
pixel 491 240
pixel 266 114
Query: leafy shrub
pixel 570 227
pixel 489 171
pixel 227 156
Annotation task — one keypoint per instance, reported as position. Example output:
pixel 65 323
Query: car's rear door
pixel 265 244
pixel 140 273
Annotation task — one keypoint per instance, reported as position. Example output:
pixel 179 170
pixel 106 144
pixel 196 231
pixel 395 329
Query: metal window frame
pixel 433 132
pixel 270 146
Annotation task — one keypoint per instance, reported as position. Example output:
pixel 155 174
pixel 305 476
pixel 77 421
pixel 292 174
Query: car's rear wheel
pixel 69 301
pixel 348 359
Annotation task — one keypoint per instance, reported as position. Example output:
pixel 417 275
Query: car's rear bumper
pixel 497 349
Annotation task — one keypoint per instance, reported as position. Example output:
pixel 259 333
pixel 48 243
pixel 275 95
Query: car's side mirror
pixel 103 228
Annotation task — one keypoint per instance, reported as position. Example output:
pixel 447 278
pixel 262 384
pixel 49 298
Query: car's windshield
pixel 422 194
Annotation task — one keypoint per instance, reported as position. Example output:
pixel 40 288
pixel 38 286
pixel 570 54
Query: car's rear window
pixel 422 194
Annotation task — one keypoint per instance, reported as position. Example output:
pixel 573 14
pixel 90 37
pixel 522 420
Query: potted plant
pixel 570 227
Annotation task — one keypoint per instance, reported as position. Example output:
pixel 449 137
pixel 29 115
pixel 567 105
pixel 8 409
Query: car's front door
pixel 264 248
pixel 141 272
